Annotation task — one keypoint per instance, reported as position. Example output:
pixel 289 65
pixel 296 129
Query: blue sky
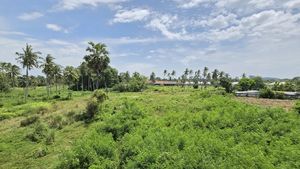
pixel 258 37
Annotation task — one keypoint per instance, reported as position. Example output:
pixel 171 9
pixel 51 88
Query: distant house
pixel 250 93
pixel 164 83
pixel 292 95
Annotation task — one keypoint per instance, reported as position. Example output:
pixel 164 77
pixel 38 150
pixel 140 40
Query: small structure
pixel 164 83
pixel 250 93
pixel 292 95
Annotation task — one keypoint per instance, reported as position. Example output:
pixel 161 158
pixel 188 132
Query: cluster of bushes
pixel 135 84
pixel 222 133
pixel 94 104
pixel 40 133
pixel 255 83
pixel 270 94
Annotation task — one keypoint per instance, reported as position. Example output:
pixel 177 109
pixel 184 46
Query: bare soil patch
pixel 285 104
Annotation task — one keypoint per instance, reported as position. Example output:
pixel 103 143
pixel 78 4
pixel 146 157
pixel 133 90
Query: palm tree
pixel 83 72
pixel 48 68
pixel 165 73
pixel 173 74
pixel 70 76
pixel 97 59
pixel 205 71
pixel 14 72
pixel 57 74
pixel 29 60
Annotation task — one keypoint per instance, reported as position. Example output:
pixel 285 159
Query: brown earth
pixel 285 104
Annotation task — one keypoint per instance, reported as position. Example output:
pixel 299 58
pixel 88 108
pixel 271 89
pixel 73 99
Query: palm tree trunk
pixel 82 83
pixel 47 88
pixel 26 85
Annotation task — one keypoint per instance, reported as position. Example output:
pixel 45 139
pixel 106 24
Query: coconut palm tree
pixel 97 59
pixel 57 75
pixel 29 60
pixel 48 67
pixel 14 72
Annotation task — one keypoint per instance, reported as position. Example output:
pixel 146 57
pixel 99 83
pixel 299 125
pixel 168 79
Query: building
pixel 250 93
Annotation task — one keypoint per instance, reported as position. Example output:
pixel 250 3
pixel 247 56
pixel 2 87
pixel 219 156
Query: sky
pixel 256 37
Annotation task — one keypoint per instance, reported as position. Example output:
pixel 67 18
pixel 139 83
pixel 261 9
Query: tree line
pixel 93 73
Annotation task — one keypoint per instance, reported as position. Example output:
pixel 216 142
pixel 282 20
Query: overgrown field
pixel 158 128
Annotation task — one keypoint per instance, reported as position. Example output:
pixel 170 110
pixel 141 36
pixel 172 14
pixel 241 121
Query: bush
pixel 100 96
pixel 1 104
pixel 57 122
pixel 136 84
pixel 39 133
pixel 279 95
pixel 297 106
pixel 41 152
pixel 29 120
pixel 92 108
pixel 93 151
pixel 266 93
pixel 50 138
pixel 56 97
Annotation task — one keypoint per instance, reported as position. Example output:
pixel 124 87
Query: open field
pixel 159 128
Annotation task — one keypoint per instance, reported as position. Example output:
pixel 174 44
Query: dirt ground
pixel 286 104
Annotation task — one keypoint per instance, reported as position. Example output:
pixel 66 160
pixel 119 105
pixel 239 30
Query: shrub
pixel 93 151
pixel 57 122
pixel 50 138
pixel 136 84
pixel 1 104
pixel 39 133
pixel 297 106
pixel 56 97
pixel 41 152
pixel 266 93
pixel 100 96
pixel 29 120
pixel 92 108
pixel 279 95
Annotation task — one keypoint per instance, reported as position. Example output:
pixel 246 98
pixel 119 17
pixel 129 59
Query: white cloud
pixel 262 3
pixel 220 21
pixel 74 4
pixel 136 14
pixel 164 23
pixel 56 28
pixel 30 16
pixel 293 4
pixel 190 3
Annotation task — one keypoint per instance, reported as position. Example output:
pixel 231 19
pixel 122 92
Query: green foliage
pixel 246 84
pixel 29 120
pixel 123 122
pixel 100 96
pixel 39 133
pixel 136 84
pixel 41 152
pixel 92 108
pixel 226 84
pixel 57 122
pixel 297 106
pixel 4 86
pixel 94 150
pixel 199 129
pixel 267 93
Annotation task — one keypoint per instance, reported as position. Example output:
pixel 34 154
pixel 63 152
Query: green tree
pixel 48 70
pixel 246 84
pixel 97 59
pixel 29 60
pixel 226 83
pixel 152 77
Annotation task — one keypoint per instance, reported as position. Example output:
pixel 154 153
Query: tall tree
pixel 173 74
pixel 152 77
pixel 29 60
pixel 205 72
pixel 14 72
pixel 97 59
pixel 48 70
pixel 57 75
pixel 165 74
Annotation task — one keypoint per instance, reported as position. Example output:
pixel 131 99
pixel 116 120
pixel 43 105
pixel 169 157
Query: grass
pixel 161 127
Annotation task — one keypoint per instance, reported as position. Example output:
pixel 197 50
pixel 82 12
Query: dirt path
pixel 286 104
